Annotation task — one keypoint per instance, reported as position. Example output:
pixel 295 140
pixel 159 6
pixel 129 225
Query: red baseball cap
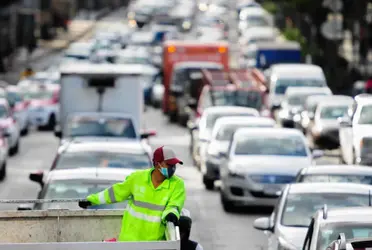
pixel 167 155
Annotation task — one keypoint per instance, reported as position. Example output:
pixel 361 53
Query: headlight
pixel 284 245
pixel 234 174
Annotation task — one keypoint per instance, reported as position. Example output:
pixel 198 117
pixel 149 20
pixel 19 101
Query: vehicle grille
pixel 273 179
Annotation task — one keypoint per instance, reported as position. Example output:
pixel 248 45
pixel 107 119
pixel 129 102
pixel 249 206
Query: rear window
pixel 333 113
pixel 226 132
pixel 212 118
pixel 106 127
pixel 72 160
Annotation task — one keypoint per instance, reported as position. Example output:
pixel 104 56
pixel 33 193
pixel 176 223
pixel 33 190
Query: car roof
pixel 338 169
pixel 202 65
pixel 110 145
pixel 347 214
pixel 254 11
pixel 294 69
pixel 329 187
pixel 363 99
pixel 260 31
pixel 320 98
pixel 335 103
pixel 275 45
pixel 104 69
pixel 109 174
pixel 303 90
pixel 229 109
pixel 244 120
pixel 267 131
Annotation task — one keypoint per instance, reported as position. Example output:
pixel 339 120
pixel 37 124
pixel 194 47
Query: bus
pixel 190 51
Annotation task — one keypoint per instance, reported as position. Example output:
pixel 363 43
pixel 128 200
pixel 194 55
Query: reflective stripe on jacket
pixel 147 208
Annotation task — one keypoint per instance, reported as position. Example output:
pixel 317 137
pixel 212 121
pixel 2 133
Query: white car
pixel 259 162
pixel 202 133
pixel 288 224
pixel 254 17
pixel 43 109
pixel 258 34
pixel 355 132
pixel 79 50
pixel 222 133
pixel 10 127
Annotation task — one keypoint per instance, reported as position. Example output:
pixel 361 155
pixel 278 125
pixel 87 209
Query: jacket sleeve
pixel 116 193
pixel 176 201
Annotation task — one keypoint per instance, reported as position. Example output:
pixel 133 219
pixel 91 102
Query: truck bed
pixel 71 229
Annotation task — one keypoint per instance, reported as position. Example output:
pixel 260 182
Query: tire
pixel 173 117
pixel 52 122
pixel 227 205
pixel 25 131
pixel 3 172
pixel 208 183
pixel 15 149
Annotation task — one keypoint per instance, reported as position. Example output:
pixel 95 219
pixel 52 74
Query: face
pixel 167 170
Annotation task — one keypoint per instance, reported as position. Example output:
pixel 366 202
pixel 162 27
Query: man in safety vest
pixel 155 195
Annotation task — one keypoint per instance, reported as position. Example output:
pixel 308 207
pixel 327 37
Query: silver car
pixel 203 132
pixel 222 133
pixel 288 224
pixel 260 161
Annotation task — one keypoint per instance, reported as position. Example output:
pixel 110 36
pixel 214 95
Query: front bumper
pixel 240 192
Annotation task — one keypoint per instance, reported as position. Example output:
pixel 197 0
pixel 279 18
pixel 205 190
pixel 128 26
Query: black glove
pixel 171 217
pixel 84 204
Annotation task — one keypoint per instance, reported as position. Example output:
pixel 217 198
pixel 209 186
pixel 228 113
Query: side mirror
pixel 192 103
pixel 262 224
pixel 37 177
pixel 148 134
pixel 24 207
pixel 317 154
pixel 222 154
pixel 344 122
pixel 58 133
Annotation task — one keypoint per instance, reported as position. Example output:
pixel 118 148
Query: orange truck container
pixel 193 51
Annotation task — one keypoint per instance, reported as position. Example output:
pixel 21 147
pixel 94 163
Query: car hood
pixel 273 164
pixel 328 123
pixel 294 235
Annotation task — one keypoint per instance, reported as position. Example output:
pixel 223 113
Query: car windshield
pixel 38 95
pixel 256 21
pixel 132 60
pixel 3 111
pixel 77 189
pixel 333 113
pixel 212 118
pixel 366 115
pixel 107 127
pixel 226 132
pixel 330 232
pixel 271 145
pixel 102 159
pixel 283 84
pixel 14 97
pixel 299 208
pixel 243 98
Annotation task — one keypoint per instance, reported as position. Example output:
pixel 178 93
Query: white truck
pixel 101 88
pixel 72 230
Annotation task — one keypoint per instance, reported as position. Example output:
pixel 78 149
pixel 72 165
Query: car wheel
pixel 25 131
pixel 15 149
pixel 3 172
pixel 52 121
pixel 227 205
pixel 208 183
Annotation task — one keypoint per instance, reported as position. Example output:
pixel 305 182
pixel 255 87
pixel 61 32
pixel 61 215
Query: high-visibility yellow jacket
pixel 147 208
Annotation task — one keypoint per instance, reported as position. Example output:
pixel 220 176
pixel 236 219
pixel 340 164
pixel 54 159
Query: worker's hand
pixel 171 217
pixel 85 204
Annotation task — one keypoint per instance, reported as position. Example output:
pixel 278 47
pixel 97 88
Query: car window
pixel 3 111
pixel 363 179
pixel 282 84
pixel 76 189
pixel 366 115
pixel 300 207
pixel 88 159
pixel 243 98
pixel 212 118
pixel 226 132
pixel 333 113
pixel 271 145
pixel 107 127
pixel 330 232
